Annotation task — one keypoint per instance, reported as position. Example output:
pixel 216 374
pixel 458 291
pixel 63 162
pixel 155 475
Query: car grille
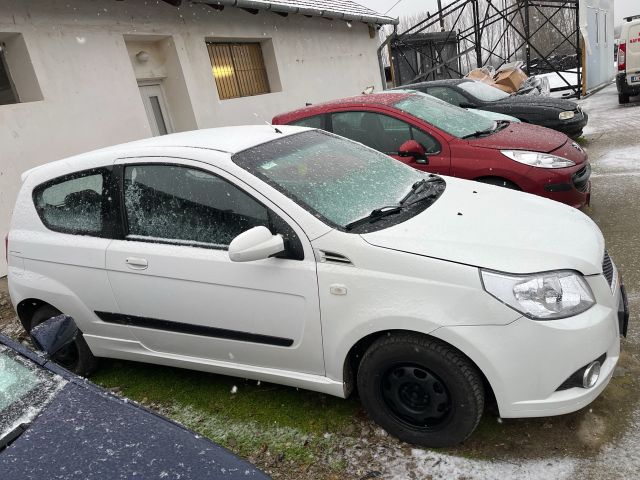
pixel 607 268
pixel 581 178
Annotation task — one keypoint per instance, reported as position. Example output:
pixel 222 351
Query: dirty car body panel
pixel 85 432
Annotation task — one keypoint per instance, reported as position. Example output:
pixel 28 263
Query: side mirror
pixel 413 149
pixel 54 334
pixel 256 243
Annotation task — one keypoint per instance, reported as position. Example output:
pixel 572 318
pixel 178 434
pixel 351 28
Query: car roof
pixel 435 83
pixel 386 98
pixel 229 140
pixel 223 139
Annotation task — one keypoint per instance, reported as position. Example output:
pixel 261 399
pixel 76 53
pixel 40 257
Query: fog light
pixel 591 374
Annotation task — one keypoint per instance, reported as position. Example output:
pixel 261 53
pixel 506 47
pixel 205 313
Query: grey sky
pixel 623 8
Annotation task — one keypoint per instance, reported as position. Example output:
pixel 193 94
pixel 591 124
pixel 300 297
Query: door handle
pixel 136 263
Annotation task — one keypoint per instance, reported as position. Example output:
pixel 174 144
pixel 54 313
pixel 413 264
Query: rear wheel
pixel 420 390
pixel 75 357
pixel 500 182
pixel 623 98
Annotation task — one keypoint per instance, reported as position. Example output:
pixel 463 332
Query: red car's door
pixel 387 131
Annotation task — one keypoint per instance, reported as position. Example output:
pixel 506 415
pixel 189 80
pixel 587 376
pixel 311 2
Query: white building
pixel 76 75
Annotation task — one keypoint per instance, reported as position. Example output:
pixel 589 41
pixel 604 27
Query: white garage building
pixel 76 75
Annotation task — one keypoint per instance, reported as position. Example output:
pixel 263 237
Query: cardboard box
pixel 510 80
pixel 482 75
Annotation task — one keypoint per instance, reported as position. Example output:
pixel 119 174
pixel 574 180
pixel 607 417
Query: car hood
pixel 499 229
pixel 522 136
pixel 537 101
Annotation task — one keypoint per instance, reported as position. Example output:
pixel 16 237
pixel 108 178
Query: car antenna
pixel 275 128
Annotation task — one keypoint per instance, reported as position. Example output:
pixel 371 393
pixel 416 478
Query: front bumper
pixel 573 127
pixel 573 190
pixel 527 361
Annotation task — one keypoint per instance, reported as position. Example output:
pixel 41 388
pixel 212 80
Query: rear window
pixel 75 204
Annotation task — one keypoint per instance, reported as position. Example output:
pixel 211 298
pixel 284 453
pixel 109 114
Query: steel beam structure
pixel 475 24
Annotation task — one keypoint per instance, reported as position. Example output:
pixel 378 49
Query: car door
pixel 180 293
pixel 386 133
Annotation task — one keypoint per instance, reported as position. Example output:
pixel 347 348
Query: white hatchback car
pixel 298 257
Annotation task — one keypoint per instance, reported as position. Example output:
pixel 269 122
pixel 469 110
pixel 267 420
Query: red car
pixel 437 137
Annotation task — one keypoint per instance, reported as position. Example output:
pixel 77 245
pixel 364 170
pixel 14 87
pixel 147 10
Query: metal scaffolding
pixel 493 32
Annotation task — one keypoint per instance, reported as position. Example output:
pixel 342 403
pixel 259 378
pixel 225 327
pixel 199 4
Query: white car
pixel 294 256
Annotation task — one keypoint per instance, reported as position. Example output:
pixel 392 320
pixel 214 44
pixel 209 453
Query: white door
pixel 156 107
pixel 177 289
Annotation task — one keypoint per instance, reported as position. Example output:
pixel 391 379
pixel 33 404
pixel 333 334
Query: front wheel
pixel 75 357
pixel 623 98
pixel 420 390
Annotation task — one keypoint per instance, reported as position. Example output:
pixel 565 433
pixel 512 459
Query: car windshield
pixel 454 120
pixel 337 180
pixel 25 389
pixel 483 92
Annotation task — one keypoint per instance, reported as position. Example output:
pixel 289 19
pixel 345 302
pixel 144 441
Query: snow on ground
pixel 427 464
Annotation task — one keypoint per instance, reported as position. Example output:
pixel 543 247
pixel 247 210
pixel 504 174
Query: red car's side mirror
pixel 413 149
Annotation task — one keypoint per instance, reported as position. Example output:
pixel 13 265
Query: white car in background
pixel 297 257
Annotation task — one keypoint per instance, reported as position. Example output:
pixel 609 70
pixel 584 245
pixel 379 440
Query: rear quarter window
pixel 77 204
pixel 312 122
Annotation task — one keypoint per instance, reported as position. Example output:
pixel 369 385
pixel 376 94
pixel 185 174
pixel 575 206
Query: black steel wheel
pixel 75 357
pixel 420 390
pixel 415 396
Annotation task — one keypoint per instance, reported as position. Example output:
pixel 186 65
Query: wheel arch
pixel 354 356
pixel 27 307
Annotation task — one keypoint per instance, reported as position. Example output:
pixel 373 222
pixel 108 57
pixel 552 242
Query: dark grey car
pixel 559 114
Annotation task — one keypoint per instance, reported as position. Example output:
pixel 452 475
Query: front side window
pixel 184 205
pixel 238 69
pixel 380 132
pixel 337 180
pixel 74 204
pixel 455 121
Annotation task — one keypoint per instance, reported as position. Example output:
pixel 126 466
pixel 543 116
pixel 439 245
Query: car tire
pixel 623 98
pixel 76 357
pixel 420 390
pixel 499 182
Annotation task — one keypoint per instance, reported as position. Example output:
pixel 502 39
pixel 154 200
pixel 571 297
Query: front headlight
pixel 568 115
pixel 538 159
pixel 541 296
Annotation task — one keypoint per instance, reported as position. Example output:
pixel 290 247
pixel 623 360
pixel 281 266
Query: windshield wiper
pixel 480 133
pixel 375 215
pixel 12 435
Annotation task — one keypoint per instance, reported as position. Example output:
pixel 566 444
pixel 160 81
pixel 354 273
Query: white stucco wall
pixel 89 89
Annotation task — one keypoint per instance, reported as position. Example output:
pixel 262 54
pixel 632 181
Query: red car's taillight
pixel 622 57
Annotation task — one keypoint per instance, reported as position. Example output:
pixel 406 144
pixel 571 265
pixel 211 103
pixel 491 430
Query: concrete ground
pixel 601 441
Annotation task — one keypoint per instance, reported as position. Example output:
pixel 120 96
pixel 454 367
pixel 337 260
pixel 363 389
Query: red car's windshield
pixel 454 120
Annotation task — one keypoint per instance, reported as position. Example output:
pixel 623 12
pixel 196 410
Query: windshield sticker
pixel 269 165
